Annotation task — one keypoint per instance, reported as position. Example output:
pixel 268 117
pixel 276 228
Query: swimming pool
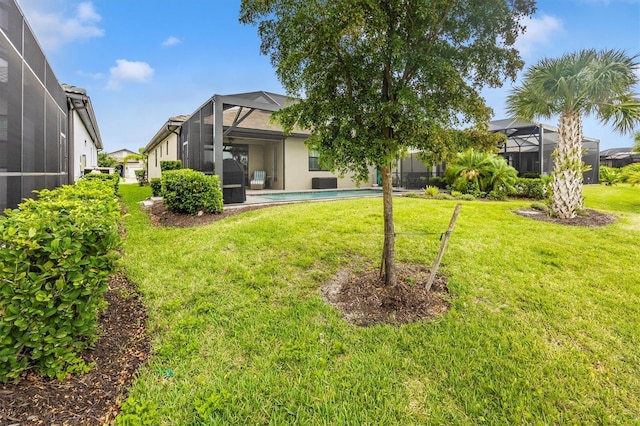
pixel 318 195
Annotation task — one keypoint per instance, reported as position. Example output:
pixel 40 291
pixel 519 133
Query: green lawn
pixel 544 326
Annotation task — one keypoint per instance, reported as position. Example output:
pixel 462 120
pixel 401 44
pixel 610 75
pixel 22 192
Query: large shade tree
pixel 580 83
pixel 379 76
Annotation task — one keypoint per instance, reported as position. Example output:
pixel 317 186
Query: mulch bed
pixel 589 218
pixel 94 398
pixel 161 216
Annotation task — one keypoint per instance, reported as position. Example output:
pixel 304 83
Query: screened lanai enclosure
pixel 529 147
pixel 237 127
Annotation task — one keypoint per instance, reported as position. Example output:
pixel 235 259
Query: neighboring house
pixel 530 146
pixel 165 145
pixel 129 168
pixel 37 117
pixel 619 157
pixel 239 127
pixel 84 134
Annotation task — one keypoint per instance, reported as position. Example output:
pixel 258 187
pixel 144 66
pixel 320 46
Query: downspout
pixel 541 144
pixel 70 143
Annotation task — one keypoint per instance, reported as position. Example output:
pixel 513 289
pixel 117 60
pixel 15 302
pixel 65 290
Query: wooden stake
pixel 443 246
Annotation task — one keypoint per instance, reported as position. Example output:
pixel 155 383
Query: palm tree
pixel 581 83
pixel 636 138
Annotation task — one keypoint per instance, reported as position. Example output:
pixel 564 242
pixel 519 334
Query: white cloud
pixel 53 29
pixel 171 41
pixel 540 31
pixel 129 71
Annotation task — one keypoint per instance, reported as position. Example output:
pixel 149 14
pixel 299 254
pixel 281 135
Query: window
pixel 167 147
pixel 314 162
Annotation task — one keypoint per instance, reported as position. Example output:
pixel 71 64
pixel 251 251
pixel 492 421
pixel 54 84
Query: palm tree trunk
pixel 567 174
pixel 388 266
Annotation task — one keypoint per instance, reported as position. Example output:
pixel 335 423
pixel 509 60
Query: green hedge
pixel 56 254
pixel 170 165
pixel 156 187
pixel 112 179
pixel 189 191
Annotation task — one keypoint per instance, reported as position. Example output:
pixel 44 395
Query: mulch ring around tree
pixel 588 217
pixel 94 398
pixel 364 300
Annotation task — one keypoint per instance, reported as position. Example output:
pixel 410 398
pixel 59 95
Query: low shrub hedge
pixel 56 254
pixel 166 165
pixel 112 179
pixel 156 187
pixel 189 191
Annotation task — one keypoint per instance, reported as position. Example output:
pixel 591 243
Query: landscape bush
pixel 141 176
pixel 479 173
pixel 431 191
pixel 112 179
pixel 156 187
pixel 57 253
pixel 537 188
pixel 438 182
pixel 630 174
pixel 189 191
pixel 166 165
pixel 609 175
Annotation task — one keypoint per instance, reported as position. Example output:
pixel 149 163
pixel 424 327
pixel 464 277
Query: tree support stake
pixel 443 247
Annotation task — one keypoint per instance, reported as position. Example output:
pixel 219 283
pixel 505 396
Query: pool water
pixel 317 195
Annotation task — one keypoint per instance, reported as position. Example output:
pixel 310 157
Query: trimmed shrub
pixel 532 188
pixel 189 191
pixel 156 187
pixel 111 179
pixel 170 165
pixel 56 254
pixel 141 176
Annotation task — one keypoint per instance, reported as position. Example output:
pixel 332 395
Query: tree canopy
pixel 376 77
pixel 379 76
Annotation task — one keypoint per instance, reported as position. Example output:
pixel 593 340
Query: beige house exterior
pixel 248 136
pixel 129 168
pixel 164 146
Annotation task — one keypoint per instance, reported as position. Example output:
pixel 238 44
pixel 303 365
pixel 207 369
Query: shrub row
pixel 111 179
pixel 166 165
pixel 56 254
pixel 189 191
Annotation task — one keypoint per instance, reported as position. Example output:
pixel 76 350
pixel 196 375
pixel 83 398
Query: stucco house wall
pixel 84 149
pixel 299 177
pixel 166 150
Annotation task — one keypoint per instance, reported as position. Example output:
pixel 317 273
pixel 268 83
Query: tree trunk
pixel 388 266
pixel 567 174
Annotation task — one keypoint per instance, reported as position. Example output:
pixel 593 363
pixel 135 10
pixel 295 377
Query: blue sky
pixel 143 61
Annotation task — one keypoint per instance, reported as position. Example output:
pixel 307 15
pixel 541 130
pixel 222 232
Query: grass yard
pixel 544 326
